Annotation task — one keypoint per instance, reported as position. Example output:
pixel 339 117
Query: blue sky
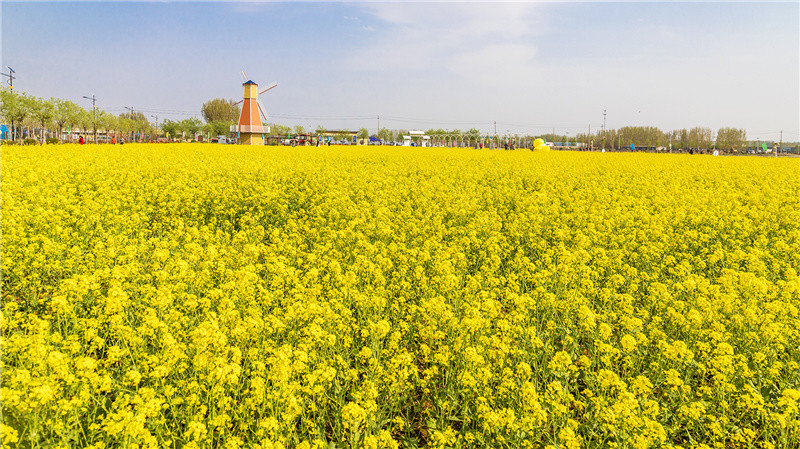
pixel 532 67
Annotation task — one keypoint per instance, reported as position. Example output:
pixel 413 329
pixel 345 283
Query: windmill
pixel 250 127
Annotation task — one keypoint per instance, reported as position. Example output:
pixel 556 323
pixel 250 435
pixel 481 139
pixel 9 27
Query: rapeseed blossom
pixel 201 296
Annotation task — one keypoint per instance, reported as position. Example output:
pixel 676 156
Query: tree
pixel 135 123
pixel 385 135
pixel 65 114
pixel 683 138
pixel 190 126
pixel 280 129
pixel 85 119
pixel 107 122
pixel 700 137
pixel 673 139
pixel 43 111
pixel 124 124
pixel 220 110
pixel 731 139
pixel 74 119
pixel 299 129
pixel 15 107
pixel 219 128
pixel 170 128
pixel 363 133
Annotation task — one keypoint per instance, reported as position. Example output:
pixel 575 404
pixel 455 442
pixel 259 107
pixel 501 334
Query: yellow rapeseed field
pixel 197 296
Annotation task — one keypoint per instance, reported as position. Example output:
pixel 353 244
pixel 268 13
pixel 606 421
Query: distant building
pixel 334 135
pixel 416 138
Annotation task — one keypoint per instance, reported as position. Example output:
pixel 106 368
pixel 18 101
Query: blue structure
pixel 5 133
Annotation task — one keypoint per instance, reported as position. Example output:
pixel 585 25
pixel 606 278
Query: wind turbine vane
pixel 250 127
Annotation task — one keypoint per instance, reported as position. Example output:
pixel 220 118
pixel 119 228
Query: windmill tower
pixel 250 127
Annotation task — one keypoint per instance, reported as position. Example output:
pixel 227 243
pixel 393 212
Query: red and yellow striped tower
pixel 250 127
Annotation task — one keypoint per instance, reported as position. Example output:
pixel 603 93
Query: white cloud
pixel 469 40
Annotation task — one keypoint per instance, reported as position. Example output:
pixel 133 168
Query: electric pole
pixel 130 111
pixel 604 128
pixel 495 133
pixel 604 121
pixel 11 77
pixel 156 117
pixel 94 115
pixel 379 126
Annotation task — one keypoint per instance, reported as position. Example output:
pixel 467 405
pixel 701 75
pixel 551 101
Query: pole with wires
pixel 94 115
pixel 130 111
pixel 11 77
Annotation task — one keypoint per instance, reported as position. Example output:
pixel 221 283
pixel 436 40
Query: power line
pixel 11 77
pixel 94 113
pixel 300 117
pixel 411 121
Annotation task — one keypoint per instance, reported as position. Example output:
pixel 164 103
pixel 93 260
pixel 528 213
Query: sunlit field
pixel 196 295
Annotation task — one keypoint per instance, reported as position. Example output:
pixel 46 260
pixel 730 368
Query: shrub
pixel 52 140
pixel 30 141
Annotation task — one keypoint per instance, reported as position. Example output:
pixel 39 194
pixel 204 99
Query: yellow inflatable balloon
pixel 538 142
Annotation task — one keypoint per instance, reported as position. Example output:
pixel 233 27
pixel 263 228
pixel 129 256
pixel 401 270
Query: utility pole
pixel 130 111
pixel 780 144
pixel 156 117
pixel 495 134
pixel 604 128
pixel 94 115
pixel 11 77
pixel 604 121
pixel 379 125
pixel 589 136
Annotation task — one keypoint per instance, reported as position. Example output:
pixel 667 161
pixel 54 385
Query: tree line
pixel 725 139
pixel 41 118
pixel 45 117
pixel 51 117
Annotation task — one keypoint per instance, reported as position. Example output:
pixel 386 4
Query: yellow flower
pixel 560 361
pixel 605 331
pixel 279 297
pixel 628 343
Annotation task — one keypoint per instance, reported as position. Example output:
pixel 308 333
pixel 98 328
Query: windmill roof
pixel 249 82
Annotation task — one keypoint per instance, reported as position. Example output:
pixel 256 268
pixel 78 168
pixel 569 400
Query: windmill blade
pixel 262 110
pixel 271 86
pixel 238 102
pixel 244 75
